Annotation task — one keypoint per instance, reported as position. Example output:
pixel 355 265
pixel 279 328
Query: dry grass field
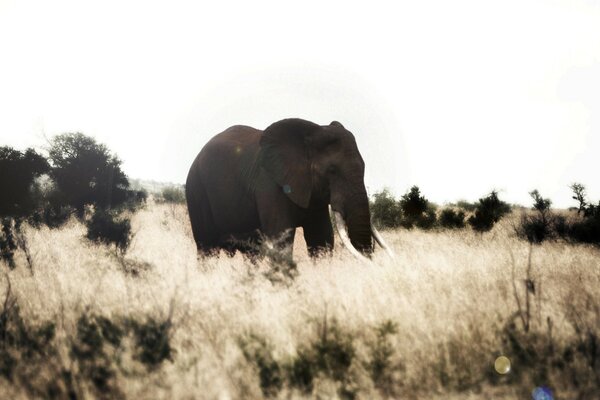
pixel 157 323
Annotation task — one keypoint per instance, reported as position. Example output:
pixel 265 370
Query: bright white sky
pixel 457 97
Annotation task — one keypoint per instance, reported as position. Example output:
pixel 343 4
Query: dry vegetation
pixel 157 323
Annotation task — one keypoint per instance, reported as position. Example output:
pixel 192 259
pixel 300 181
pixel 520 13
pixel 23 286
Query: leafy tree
pixel 17 173
pixel 489 210
pixel 86 172
pixel 586 230
pixel 385 210
pixel 579 195
pixel 539 227
pixel 413 204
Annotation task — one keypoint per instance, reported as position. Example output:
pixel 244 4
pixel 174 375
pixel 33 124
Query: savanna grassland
pixel 156 323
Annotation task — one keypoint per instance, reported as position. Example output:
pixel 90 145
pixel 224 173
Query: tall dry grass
pixel 449 299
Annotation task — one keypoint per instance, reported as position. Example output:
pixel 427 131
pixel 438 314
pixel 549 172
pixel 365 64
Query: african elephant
pixel 247 184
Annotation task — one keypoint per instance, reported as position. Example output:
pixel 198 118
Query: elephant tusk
pixel 340 226
pixel 379 239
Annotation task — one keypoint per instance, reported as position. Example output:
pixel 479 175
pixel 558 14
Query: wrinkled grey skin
pixel 247 184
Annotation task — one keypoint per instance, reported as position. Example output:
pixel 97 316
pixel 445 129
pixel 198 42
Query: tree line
pixel 539 224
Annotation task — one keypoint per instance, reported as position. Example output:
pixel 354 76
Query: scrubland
pixel 157 323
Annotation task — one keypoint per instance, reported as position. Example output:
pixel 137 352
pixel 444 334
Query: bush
pixel 104 228
pixel 385 210
pixel 587 230
pixel 173 194
pixel 413 204
pixel 417 210
pixel 152 339
pixel 427 220
pixel 380 364
pixel 259 352
pixel 451 219
pixel 539 227
pixel 489 210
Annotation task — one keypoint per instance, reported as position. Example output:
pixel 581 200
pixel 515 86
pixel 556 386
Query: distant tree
pixel 385 210
pixel 86 172
pixel 488 211
pixel 539 227
pixel 413 204
pixel 579 195
pixel 587 230
pixel 449 218
pixel 172 194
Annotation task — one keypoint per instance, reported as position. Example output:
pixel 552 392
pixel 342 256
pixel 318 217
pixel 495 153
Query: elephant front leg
pixel 318 232
pixel 277 219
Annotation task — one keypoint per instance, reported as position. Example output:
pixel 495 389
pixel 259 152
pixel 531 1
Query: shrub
pixel 103 227
pixel 428 220
pixel 417 210
pixel 385 210
pixel 173 194
pixel 539 227
pixel 451 219
pixel 587 230
pixel 380 364
pixel 467 206
pixel 413 204
pixel 489 210
pixel 330 355
pixel 259 352
pixel 152 339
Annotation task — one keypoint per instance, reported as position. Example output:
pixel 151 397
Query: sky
pixel 457 97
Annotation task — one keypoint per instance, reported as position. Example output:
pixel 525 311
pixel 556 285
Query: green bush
pixel 172 194
pixel 538 227
pixel 104 228
pixel 587 230
pixel 385 210
pixel 489 210
pixel 451 219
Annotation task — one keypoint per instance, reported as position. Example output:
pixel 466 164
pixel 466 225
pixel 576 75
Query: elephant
pixel 247 185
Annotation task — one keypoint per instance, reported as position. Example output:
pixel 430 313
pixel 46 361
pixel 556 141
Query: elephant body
pixel 246 185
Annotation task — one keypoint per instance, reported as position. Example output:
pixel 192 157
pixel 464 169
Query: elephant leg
pixel 203 227
pixel 277 218
pixel 318 232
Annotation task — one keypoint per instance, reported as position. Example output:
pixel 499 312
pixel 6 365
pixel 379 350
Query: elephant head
pixel 319 165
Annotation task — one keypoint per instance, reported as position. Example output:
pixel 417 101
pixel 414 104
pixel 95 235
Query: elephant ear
pixel 285 156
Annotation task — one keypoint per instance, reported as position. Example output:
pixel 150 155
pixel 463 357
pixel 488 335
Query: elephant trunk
pixel 358 220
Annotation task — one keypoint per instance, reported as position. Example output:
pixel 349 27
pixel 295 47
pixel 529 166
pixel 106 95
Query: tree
pixel 579 195
pixel 489 210
pixel 413 204
pixel 17 173
pixel 86 172
pixel 385 210
pixel 537 228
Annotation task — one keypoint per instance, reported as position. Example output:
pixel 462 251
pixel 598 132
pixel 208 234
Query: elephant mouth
pixel 342 231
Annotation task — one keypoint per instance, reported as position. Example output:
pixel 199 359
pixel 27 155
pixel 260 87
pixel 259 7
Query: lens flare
pixel 502 365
